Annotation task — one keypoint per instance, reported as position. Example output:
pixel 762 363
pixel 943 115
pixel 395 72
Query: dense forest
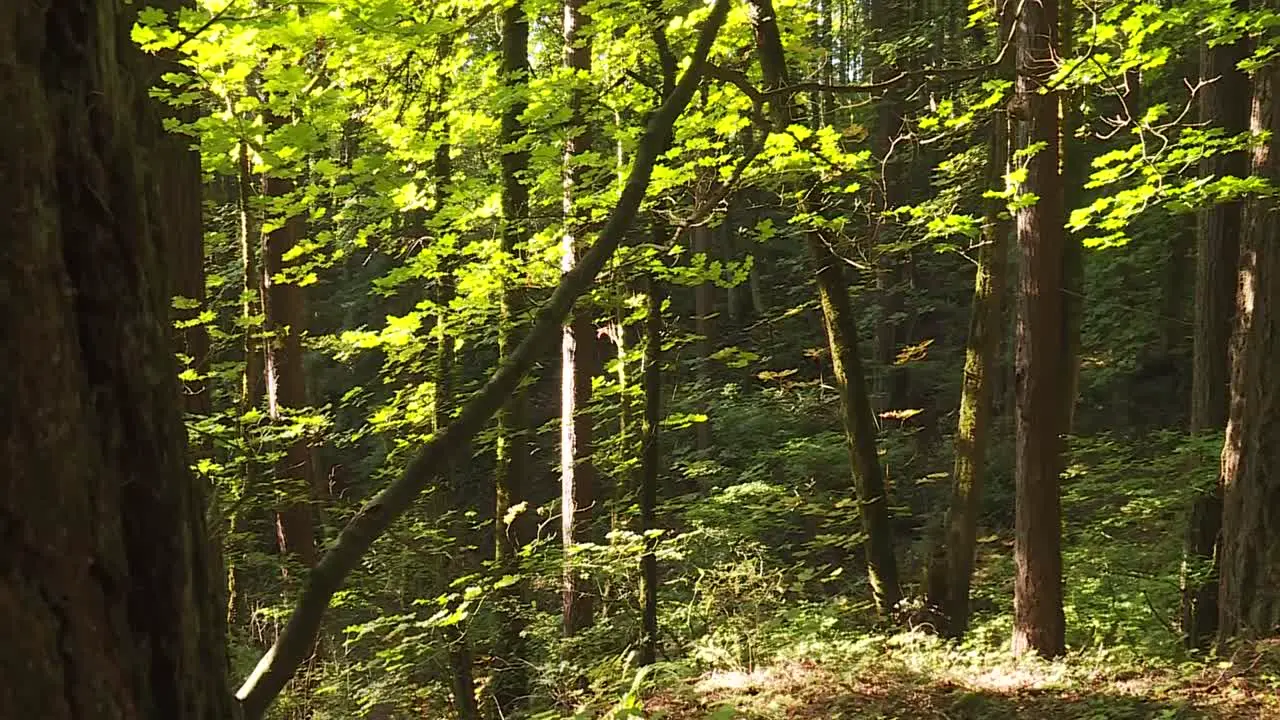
pixel 649 359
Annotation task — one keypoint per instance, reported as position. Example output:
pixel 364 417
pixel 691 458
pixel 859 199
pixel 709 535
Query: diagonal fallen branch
pixel 278 665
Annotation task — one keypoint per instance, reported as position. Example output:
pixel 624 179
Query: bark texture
pixel 1225 104
pixel 1041 373
pixel 110 594
pixel 1250 559
pixel 375 516
pixel 857 415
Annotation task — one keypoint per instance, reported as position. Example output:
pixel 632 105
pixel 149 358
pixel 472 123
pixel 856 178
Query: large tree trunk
pixel 292 646
pixel 1224 103
pixel 1040 365
pixel 857 416
pixel 1250 559
pixel 510 679
pixel 951 570
pixel 110 595
pixel 579 355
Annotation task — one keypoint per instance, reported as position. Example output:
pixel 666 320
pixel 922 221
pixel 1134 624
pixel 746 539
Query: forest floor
pixel 910 677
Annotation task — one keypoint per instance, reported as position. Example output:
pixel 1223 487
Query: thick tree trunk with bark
pixel 1040 366
pixel 344 554
pixel 1250 559
pixel 951 569
pixel 1223 103
pixel 857 415
pixel 510 679
pixel 110 592
pixel 579 356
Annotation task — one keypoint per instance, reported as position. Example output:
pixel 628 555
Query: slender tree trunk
pixel 1250 557
pixel 1224 103
pixel 890 149
pixel 1039 626
pixel 952 570
pixel 510 680
pixel 650 462
pixel 285 321
pixel 293 645
pixel 1075 171
pixel 704 311
pixel 578 351
pixel 110 591
pixel 857 415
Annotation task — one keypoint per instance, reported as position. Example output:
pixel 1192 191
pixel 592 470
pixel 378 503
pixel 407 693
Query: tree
pixel 375 516
pixel 952 569
pixel 1224 102
pixel 1250 556
pixel 842 341
pixel 513 444
pixel 111 592
pixel 1039 626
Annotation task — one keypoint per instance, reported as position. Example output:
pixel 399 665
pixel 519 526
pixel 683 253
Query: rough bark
pixel 1224 103
pixel 510 680
pixel 952 569
pixel 857 415
pixel 579 356
pixel 1250 555
pixel 110 592
pixel 1039 626
pixel 293 644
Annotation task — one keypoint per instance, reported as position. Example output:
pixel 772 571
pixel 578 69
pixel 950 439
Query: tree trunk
pixel 1039 626
pixel 651 459
pixel 1075 171
pixel 510 680
pixel 952 569
pixel 857 416
pixel 292 646
pixel 704 311
pixel 1224 103
pixel 1250 557
pixel 285 321
pixel 578 352
pixel 110 592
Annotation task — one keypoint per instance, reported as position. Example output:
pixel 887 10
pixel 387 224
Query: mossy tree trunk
pixel 857 416
pixel 951 568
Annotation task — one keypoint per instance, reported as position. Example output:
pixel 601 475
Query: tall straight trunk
pixel 952 569
pixel 510 679
pixel 857 416
pixel 460 500
pixel 650 462
pixel 578 352
pixel 251 376
pixel 285 321
pixel 1225 104
pixel 1250 557
pixel 704 310
pixel 1075 171
pixel 109 586
pixel 1040 367
pixel 278 665
pixel 890 151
